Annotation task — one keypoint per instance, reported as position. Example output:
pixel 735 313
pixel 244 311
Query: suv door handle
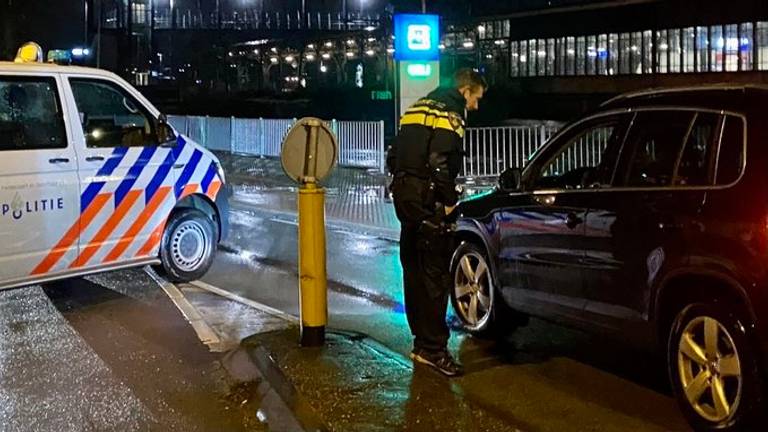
pixel 671 226
pixel 94 158
pixel 572 220
pixel 179 166
pixel 546 200
pixel 58 160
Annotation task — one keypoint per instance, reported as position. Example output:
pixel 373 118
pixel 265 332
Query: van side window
pixel 110 116
pixel 731 155
pixel 30 114
pixel 653 145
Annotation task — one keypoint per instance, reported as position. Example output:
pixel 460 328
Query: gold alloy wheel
pixel 472 289
pixel 709 369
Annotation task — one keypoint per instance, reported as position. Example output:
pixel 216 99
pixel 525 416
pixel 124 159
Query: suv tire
pixel 474 297
pixel 710 357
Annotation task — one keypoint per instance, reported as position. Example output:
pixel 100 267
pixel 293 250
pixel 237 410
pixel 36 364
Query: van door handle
pixel 58 160
pixel 179 166
pixel 94 158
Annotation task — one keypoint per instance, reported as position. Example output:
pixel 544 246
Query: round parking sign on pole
pixel 308 156
pixel 309 151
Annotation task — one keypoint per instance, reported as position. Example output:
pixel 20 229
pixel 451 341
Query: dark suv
pixel 649 220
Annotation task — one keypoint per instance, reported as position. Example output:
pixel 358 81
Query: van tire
pixel 188 245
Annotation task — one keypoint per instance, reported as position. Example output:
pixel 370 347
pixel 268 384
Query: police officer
pixel 425 160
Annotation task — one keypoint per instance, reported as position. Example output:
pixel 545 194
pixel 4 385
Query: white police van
pixel 92 178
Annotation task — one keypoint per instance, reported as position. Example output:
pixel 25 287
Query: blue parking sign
pixel 417 37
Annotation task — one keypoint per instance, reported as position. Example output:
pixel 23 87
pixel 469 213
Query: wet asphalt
pixel 111 353
pixel 543 377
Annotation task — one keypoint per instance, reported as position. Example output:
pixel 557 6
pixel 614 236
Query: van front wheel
pixel 188 245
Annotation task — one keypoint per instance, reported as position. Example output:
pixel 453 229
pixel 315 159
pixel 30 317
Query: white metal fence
pixel 489 150
pixel 361 144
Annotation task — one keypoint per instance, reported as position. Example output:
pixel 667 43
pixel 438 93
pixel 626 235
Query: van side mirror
pixel 509 180
pixel 166 137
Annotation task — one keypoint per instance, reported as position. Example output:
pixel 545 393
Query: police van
pixel 93 178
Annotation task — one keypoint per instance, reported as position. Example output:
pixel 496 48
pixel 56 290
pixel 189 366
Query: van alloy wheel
pixel 709 369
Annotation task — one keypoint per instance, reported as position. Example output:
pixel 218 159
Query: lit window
pixel 717 48
pixel 762 45
pixel 674 51
pixel 746 47
pixel 702 49
pixel 732 47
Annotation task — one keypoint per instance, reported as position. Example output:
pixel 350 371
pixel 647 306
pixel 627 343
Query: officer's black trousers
pixel 426 260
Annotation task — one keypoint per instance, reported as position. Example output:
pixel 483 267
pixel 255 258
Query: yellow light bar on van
pixel 30 52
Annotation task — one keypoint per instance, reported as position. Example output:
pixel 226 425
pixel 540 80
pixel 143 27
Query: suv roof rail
pixel 669 90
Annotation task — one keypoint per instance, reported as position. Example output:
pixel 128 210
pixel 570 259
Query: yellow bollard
pixel 313 302
pixel 308 155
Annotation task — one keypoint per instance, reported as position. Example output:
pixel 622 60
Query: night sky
pixel 52 23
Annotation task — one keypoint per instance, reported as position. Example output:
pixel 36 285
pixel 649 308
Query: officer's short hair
pixel 467 77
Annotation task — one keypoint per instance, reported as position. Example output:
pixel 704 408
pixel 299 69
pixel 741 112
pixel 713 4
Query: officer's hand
pixel 449 210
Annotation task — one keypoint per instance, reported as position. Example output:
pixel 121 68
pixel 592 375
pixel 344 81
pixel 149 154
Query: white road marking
pixel 204 332
pixel 248 302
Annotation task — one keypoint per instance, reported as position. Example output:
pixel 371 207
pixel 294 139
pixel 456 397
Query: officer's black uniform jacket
pixel 426 155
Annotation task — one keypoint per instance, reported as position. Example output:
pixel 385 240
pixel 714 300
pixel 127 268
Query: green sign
pixel 383 95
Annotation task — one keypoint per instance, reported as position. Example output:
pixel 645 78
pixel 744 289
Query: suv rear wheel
pixel 713 368
pixel 474 296
pixel 188 245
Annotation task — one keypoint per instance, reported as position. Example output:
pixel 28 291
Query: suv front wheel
pixel 713 368
pixel 474 297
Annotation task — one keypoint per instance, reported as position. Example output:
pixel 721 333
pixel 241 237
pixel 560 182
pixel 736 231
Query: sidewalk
pixel 352 383
pixel 355 199
pixel 356 384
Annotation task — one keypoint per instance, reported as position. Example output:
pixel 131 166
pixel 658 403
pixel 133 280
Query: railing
pixel 165 18
pixel 491 150
pixel 361 144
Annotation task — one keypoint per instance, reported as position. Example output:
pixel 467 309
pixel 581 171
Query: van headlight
pixel 220 171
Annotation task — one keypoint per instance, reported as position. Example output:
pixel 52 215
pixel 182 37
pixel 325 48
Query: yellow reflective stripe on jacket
pixel 432 118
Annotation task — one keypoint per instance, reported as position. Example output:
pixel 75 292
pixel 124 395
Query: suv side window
pixel 653 147
pixel 30 114
pixel 730 159
pixel 111 117
pixel 586 157
pixel 697 164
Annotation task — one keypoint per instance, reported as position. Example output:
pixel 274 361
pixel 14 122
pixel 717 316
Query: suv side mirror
pixel 166 137
pixel 510 179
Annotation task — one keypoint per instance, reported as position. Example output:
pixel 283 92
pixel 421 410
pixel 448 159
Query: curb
pixel 271 372
pixel 302 411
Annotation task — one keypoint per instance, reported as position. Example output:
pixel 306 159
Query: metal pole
pixel 313 277
pixel 423 6
pixel 98 35
pixel 85 23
